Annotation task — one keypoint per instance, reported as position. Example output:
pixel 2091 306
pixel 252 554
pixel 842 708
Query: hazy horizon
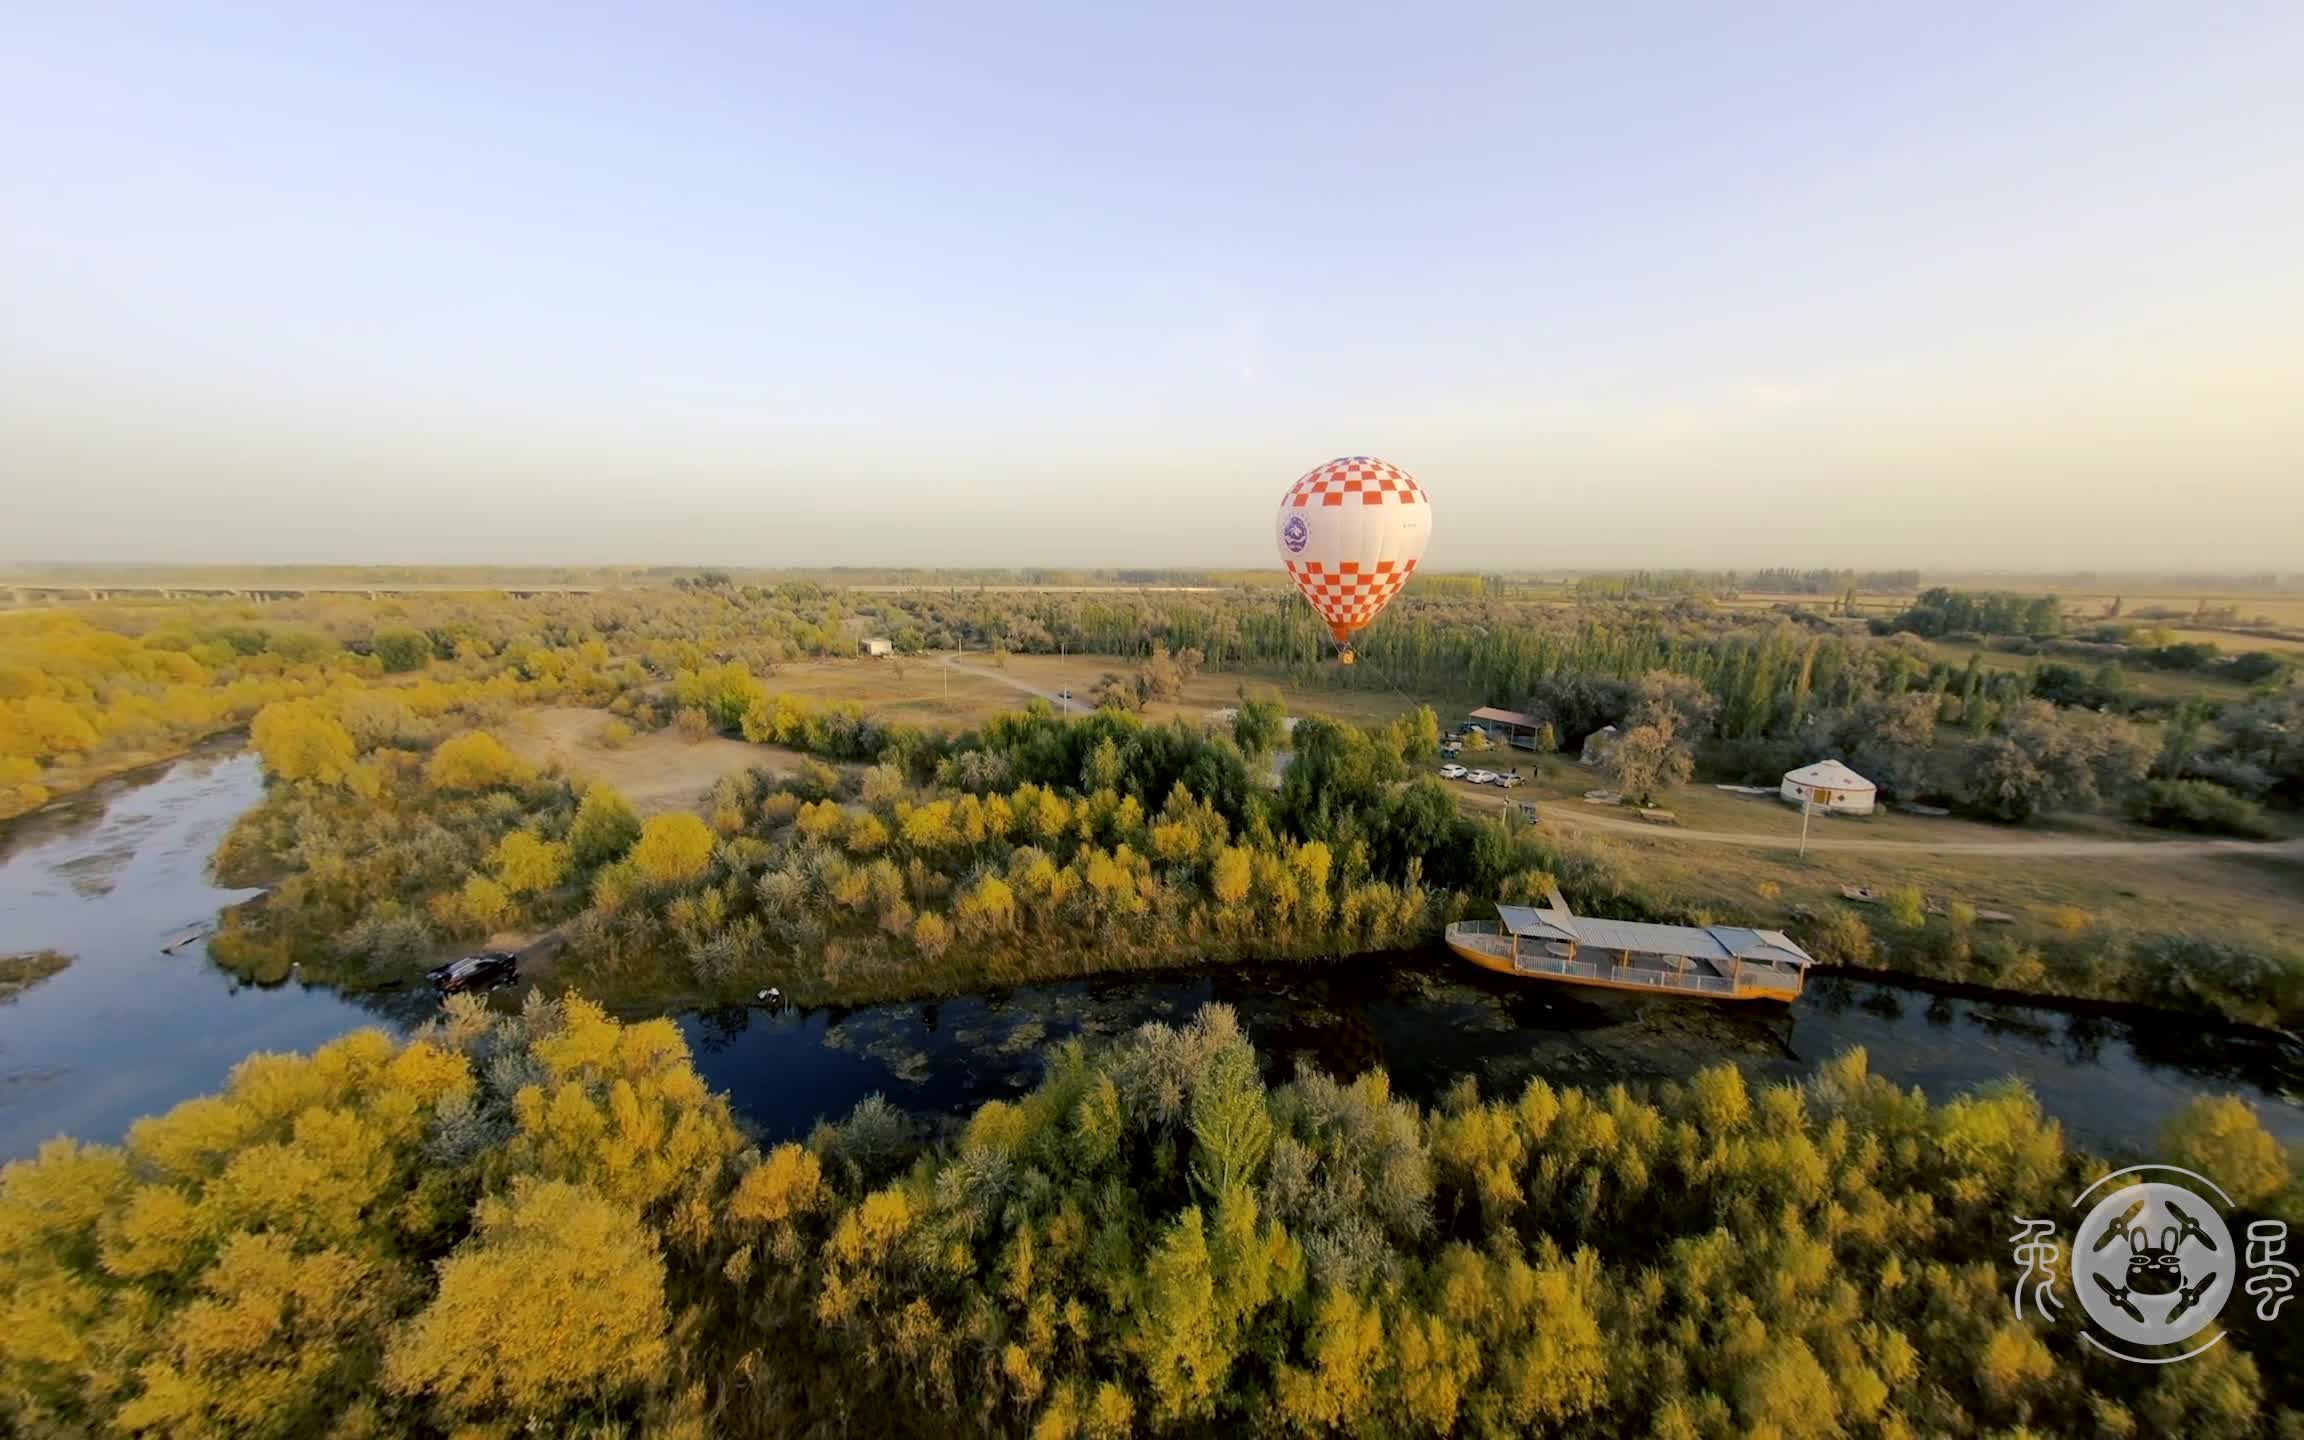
pixel 1961 289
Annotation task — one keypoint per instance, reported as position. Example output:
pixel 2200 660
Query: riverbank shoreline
pixel 2131 1011
pixel 90 778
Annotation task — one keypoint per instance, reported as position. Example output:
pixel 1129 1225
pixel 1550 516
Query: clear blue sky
pixel 1993 285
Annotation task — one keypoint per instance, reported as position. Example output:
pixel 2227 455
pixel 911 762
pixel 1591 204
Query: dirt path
pixel 1004 678
pixel 656 772
pixel 1576 813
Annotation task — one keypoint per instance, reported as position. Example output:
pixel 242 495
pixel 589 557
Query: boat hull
pixel 1727 991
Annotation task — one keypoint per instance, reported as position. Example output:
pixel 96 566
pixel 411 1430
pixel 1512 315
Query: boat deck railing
pixel 1489 938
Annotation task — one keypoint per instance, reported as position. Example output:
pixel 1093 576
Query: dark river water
pixel 127 1031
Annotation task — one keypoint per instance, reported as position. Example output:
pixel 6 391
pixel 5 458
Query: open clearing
pixel 656 772
pixel 1727 846
pixel 924 690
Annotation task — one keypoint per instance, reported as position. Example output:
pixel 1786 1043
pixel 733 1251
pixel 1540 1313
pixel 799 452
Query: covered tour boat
pixel 1714 962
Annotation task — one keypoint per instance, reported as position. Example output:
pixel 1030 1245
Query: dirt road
pixel 2046 847
pixel 1079 695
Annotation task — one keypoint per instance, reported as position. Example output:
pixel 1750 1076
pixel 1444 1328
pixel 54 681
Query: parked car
pixel 484 971
pixel 1482 777
pixel 1508 779
pixel 1451 772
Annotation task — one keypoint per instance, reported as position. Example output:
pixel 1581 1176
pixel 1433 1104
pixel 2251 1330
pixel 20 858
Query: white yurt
pixel 1830 786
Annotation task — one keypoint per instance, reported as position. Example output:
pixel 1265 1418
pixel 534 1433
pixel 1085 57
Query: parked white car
pixel 1507 781
pixel 1451 772
pixel 1482 777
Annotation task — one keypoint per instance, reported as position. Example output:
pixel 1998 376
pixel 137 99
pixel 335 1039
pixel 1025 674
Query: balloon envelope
pixel 1350 533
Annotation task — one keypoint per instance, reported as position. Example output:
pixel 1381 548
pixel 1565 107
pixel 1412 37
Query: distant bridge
pixel 23 596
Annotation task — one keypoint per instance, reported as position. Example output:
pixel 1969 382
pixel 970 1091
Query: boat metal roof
pixel 1544 924
pixel 1722 943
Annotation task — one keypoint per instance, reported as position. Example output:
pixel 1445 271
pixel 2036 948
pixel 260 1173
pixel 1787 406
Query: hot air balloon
pixel 1350 533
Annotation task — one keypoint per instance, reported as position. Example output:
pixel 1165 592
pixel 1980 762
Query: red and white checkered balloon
pixel 1350 533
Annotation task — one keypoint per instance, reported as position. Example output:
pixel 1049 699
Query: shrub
pixel 526 862
pixel 390 937
pixel 673 849
pixel 2263 985
pixel 2200 806
pixel 604 828
pixel 1907 907
pixel 1840 937
pixel 474 760
pixel 401 649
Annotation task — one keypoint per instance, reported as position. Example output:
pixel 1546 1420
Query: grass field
pixel 2142 679
pixel 2231 642
pixel 2244 893
pixel 2280 611
pixel 924 691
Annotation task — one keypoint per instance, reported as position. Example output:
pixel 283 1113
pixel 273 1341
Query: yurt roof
pixel 1830 775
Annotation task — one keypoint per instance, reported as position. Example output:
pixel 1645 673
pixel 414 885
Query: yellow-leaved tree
pixel 298 740
pixel 474 760
pixel 557 1301
pixel 673 849
pixel 526 862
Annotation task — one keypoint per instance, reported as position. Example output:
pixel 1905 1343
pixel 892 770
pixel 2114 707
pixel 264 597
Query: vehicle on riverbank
pixel 1712 962
pixel 485 971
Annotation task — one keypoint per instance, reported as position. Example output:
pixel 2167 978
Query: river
pixel 127 1030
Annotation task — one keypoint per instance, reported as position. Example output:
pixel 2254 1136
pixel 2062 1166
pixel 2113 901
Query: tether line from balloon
pixel 1385 676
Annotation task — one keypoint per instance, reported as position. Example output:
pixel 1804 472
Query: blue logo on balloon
pixel 1294 534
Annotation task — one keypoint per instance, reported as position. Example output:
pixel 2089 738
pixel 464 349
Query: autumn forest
pixel 530 1215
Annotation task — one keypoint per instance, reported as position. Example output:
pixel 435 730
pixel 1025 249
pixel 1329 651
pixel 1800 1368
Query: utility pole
pixel 1807 805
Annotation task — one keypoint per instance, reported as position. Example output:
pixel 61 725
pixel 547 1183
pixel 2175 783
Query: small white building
pixel 879 645
pixel 1830 786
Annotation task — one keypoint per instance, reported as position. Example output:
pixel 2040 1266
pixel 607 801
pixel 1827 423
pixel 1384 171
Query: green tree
pixel 401 649
pixel 1260 725
pixel 604 828
pixel 1649 759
